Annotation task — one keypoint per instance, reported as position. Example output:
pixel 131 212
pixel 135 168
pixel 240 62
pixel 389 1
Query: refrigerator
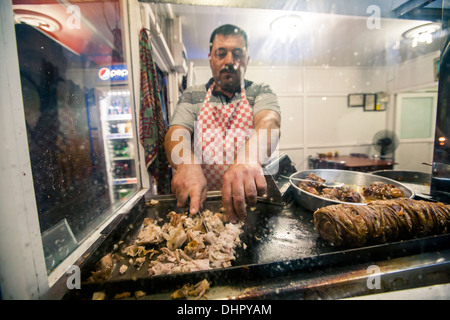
pixel 119 135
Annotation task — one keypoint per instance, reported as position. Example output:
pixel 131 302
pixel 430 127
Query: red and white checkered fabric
pixel 222 131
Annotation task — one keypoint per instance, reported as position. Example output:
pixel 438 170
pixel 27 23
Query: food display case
pixel 280 253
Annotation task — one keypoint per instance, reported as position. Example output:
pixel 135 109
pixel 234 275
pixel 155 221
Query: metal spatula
pixel 273 194
pixel 278 187
pixel 331 184
pixel 200 215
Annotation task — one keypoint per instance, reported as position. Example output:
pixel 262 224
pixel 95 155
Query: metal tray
pixel 280 240
pixel 313 202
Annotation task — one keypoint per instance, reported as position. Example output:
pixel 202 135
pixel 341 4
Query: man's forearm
pixel 178 146
pixel 263 140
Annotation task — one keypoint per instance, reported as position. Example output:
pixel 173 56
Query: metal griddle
pixel 281 244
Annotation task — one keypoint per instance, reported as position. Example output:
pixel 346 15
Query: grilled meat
pixel 380 190
pixel 196 250
pixel 311 181
pixel 150 233
pixel 381 221
pixel 346 193
pixel 123 269
pixel 175 236
pixel 183 246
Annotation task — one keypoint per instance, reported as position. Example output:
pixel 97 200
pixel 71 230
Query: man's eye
pixel 221 54
pixel 237 54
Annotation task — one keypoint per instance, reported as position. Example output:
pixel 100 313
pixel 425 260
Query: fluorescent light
pixel 37 20
pixel 286 26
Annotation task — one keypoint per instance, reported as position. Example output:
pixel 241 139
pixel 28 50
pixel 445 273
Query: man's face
pixel 228 61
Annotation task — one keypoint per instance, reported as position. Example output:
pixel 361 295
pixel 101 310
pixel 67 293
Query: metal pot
pixel 313 202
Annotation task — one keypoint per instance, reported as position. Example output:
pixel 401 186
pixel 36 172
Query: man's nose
pixel 229 59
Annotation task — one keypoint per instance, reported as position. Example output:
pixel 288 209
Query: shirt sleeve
pixel 265 99
pixel 186 112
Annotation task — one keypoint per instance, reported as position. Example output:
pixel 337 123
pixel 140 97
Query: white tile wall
pixel 331 122
pixel 345 80
pixel 415 73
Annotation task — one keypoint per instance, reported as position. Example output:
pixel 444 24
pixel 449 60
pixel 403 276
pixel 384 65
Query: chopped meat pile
pixel 376 191
pixel 178 246
pixel 189 248
pixel 382 191
pixel 344 193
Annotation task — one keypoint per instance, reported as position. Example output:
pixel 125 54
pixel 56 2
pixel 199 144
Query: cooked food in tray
pixel 180 245
pixel 381 221
pixel 350 193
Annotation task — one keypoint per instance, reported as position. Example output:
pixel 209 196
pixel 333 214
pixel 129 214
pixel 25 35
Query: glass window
pixel 417 118
pixel 79 117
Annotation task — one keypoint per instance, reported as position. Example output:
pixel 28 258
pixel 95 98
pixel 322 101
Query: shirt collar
pixel 247 84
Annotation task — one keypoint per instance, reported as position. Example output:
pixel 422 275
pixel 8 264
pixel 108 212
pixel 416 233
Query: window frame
pixel 23 272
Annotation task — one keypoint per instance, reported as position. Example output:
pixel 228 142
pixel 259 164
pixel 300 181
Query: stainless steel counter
pixel 400 277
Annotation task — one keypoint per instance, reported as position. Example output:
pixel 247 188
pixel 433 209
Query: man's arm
pixel 188 182
pixel 245 179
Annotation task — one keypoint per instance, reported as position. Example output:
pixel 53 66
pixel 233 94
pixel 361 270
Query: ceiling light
pixel 286 26
pixel 422 34
pixel 37 20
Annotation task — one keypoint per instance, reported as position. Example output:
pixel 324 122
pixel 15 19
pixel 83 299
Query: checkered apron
pixel 221 131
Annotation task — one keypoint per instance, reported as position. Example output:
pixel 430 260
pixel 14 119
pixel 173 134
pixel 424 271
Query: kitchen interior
pixel 362 87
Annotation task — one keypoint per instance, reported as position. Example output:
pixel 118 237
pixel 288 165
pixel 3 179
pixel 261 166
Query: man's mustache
pixel 228 68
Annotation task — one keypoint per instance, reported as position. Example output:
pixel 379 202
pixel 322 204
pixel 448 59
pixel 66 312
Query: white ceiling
pixel 324 39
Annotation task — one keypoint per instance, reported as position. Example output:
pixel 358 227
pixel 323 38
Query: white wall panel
pixel 331 122
pixel 280 79
pixel 415 73
pixel 291 121
pixel 345 80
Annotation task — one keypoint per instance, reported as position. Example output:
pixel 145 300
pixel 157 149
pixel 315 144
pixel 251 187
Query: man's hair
pixel 227 30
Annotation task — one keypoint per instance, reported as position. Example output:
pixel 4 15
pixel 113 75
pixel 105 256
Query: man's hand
pixel 241 183
pixel 189 186
pixel 189 182
pixel 245 179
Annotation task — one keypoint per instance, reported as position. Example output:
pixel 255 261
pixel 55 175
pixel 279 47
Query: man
pixel 217 116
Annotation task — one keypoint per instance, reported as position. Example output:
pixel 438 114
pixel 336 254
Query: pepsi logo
pixel 104 74
pixel 113 73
